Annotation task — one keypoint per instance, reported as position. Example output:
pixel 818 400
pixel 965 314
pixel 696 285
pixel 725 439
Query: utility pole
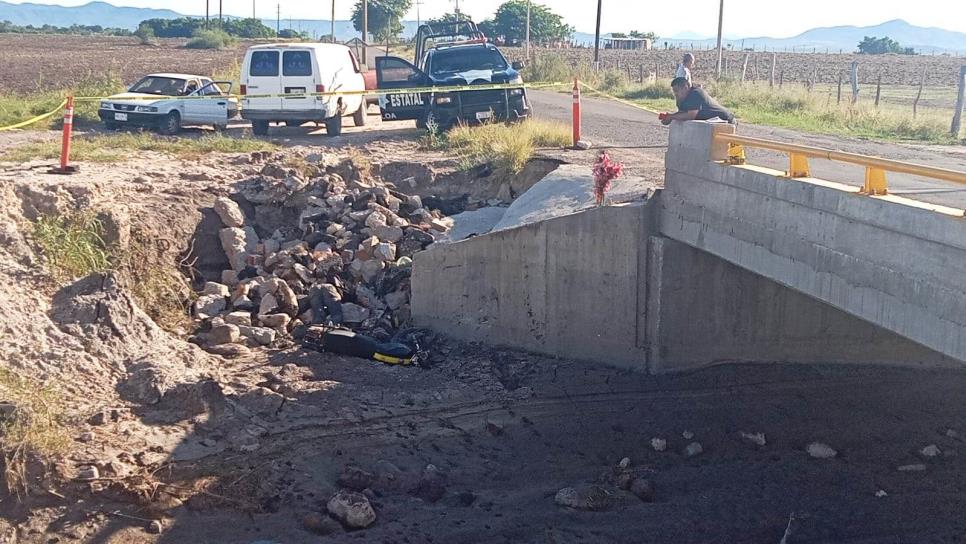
pixel 419 20
pixel 221 24
pixel 278 19
pixel 333 21
pixel 597 37
pixel 457 10
pixel 528 31
pixel 207 13
pixel 365 32
pixel 717 69
pixel 253 10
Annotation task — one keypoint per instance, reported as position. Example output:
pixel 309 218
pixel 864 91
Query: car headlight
pixel 105 105
pixel 516 92
pixel 147 109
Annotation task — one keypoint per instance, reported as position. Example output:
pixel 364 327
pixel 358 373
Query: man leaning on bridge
pixel 694 103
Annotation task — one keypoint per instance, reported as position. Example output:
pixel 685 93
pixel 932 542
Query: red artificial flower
pixel 605 171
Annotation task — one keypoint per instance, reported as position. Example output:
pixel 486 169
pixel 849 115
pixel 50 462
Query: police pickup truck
pixel 452 55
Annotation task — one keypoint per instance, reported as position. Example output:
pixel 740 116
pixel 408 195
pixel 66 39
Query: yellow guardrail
pixel 798 155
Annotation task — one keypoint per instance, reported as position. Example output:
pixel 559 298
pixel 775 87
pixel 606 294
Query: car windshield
pixel 162 86
pixel 458 59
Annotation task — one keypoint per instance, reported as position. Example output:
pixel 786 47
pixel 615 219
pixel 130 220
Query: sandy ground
pixel 506 430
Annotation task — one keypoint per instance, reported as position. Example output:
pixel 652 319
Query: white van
pixel 271 71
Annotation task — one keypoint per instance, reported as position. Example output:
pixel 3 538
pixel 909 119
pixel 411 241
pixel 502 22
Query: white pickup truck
pixel 167 102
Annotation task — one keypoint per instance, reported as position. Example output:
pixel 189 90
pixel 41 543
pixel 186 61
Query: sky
pixel 743 18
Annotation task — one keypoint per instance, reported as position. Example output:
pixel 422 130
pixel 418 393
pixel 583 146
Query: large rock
pixel 229 212
pixel 210 305
pixel 237 244
pixel 388 234
pixel 353 313
pixel 224 334
pixel 263 335
pixel 352 509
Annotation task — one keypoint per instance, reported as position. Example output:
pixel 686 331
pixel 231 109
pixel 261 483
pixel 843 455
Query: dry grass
pixel 72 246
pixel 506 147
pixel 34 428
pixel 107 148
pixel 158 288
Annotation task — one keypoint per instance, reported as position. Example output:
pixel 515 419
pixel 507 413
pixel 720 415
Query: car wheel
pixel 170 124
pixel 333 126
pixel 359 117
pixel 260 128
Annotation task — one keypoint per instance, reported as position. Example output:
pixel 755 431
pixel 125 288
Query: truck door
pixel 396 73
pixel 298 80
pixel 263 78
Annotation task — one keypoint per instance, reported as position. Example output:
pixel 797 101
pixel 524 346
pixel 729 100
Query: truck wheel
pixel 170 124
pixel 333 126
pixel 359 117
pixel 260 128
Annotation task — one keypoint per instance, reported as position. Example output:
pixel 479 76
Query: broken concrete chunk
pixel 931 450
pixel 819 450
pixel 229 212
pixel 384 252
pixel 212 288
pixel 353 313
pixel 207 306
pixel 275 321
pixel 659 444
pixel 268 304
pixel 239 319
pixel 224 334
pixel 262 335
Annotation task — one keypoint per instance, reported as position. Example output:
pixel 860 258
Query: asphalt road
pixel 633 131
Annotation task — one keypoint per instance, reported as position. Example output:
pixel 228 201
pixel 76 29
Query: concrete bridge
pixel 726 263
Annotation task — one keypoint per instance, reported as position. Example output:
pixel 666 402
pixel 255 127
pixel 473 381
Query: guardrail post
pixel 65 167
pixel 875 182
pixel 576 111
pixel 798 166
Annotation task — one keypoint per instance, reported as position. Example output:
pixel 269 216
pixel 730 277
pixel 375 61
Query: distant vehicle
pixel 167 102
pixel 299 69
pixel 458 55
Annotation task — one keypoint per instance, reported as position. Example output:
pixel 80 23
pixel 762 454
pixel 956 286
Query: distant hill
pixel 844 38
pixel 94 13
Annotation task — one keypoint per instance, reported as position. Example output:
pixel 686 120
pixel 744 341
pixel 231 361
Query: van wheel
pixel 333 126
pixel 260 128
pixel 359 117
pixel 170 124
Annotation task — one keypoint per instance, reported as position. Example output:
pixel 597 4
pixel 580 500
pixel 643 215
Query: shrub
pixel 72 246
pixel 145 35
pixel 506 147
pixel 210 39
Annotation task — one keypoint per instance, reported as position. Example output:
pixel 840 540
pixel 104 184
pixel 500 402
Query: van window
pixel 264 64
pixel 297 63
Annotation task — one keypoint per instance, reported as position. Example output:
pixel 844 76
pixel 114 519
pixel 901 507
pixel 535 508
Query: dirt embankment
pixel 170 444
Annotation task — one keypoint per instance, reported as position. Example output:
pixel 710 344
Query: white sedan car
pixel 167 102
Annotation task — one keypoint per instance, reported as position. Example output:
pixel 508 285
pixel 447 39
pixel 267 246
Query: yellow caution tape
pixel 377 92
pixel 621 100
pixel 37 119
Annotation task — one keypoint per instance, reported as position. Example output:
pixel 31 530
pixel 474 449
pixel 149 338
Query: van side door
pixel 263 78
pixel 396 73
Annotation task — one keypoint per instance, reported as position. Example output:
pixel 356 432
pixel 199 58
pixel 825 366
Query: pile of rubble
pixel 339 252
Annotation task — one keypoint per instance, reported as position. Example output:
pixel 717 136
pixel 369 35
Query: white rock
pixel 268 305
pixel 375 220
pixel 931 450
pixel 278 322
pixel 688 435
pixel 353 313
pixel 229 212
pixel 241 319
pixel 210 305
pixel 385 252
pixel 881 493
pixel 659 444
pixel 263 335
pixel 212 288
pixel 694 448
pixel 389 234
pixel 224 334
pixel 819 450
pixel 625 462
pixel 757 439
pixel 352 509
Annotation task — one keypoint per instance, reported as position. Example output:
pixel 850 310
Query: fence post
pixel 855 81
pixel 960 102
pixel 915 103
pixel 878 90
pixel 744 67
pixel 839 99
pixel 65 167
pixel 642 74
pixel 781 79
pixel 774 61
